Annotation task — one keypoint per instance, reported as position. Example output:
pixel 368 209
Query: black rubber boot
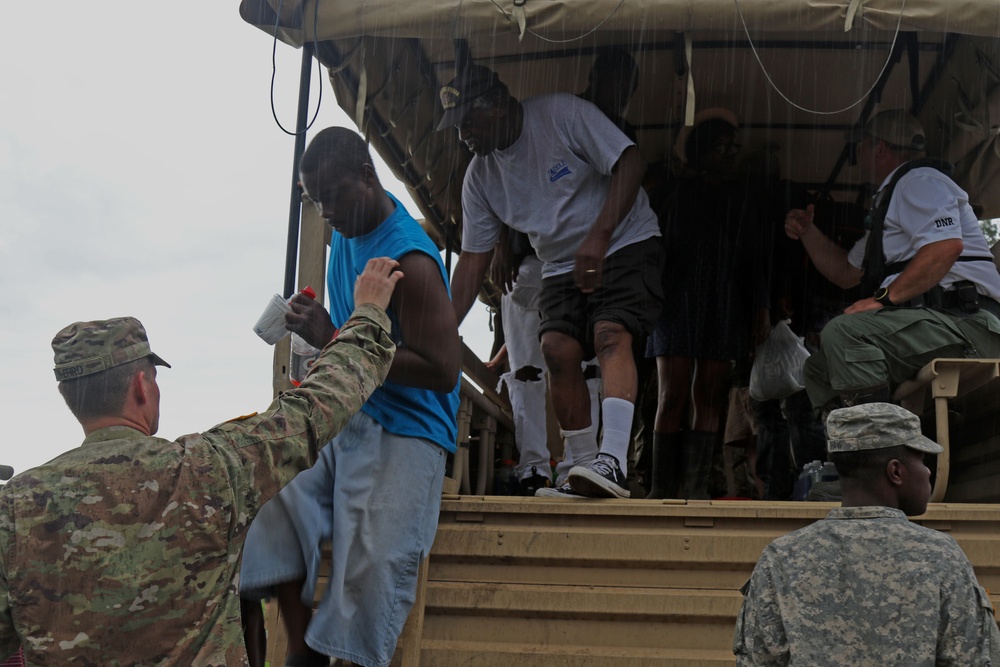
pixel 696 458
pixel 665 471
pixel 876 394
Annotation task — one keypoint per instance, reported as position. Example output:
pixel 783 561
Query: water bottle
pixel 304 356
pixel 812 472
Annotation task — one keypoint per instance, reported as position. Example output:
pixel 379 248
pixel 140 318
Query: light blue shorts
pixel 374 498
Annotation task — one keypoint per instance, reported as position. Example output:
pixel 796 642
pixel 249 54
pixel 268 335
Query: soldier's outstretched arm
pixel 275 445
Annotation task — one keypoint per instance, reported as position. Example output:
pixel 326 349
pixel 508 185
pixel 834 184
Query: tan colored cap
pixel 895 127
pixel 84 348
pixel 876 426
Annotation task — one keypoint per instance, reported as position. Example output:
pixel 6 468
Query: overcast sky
pixel 141 173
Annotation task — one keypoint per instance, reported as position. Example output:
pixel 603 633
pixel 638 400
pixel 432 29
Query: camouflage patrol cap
pixel 876 426
pixel 84 348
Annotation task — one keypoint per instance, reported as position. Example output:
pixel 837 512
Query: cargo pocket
pixel 863 354
pixel 992 323
pixel 863 366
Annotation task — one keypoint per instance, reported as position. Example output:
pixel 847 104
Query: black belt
pixel 951 302
pixel 961 301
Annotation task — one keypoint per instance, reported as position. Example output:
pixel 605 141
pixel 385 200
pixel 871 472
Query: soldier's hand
pixel 310 320
pixel 376 283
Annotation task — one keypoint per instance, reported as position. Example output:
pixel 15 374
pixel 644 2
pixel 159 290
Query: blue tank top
pixel 402 410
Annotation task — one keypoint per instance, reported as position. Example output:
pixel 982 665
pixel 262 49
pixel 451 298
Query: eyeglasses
pixel 726 148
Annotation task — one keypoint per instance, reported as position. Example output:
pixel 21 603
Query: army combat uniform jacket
pixel 864 587
pixel 125 550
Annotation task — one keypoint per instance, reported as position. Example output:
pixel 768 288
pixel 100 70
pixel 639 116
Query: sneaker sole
pixel 591 485
pixel 556 493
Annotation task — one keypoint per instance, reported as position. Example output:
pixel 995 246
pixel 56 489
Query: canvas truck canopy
pixel 796 73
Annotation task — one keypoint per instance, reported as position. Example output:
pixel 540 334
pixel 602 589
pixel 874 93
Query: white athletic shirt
pixel 551 183
pixel 927 207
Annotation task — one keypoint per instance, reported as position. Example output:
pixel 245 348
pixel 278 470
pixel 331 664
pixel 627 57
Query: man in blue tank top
pixel 374 494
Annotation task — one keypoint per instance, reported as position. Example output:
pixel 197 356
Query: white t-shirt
pixel 551 183
pixel 927 207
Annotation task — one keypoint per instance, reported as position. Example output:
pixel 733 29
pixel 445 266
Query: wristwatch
pixel 882 296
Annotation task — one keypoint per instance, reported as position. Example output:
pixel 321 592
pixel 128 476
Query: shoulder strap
pixel 873 264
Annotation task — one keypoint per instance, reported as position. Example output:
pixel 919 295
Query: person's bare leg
pixel 606 475
pixel 570 395
pixel 711 385
pixel 674 376
pixel 613 346
pixel 254 635
pixel 570 398
pixel 296 617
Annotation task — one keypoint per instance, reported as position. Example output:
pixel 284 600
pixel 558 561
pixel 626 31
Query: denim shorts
pixel 373 498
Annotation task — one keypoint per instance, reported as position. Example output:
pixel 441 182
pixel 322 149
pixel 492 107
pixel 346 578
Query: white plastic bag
pixel 777 368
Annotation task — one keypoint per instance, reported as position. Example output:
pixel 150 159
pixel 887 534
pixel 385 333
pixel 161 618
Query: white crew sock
pixel 617 418
pixel 581 445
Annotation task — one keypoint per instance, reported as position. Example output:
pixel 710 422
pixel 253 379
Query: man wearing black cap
pixel 935 291
pixel 126 550
pixel 865 586
pixel 555 168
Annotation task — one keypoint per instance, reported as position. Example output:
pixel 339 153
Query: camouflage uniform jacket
pixel 864 587
pixel 125 551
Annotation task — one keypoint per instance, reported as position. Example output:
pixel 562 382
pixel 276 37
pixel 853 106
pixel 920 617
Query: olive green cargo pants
pixel 888 346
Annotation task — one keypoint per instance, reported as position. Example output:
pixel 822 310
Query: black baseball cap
pixel 457 95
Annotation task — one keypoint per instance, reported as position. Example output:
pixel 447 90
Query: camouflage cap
pixel 84 348
pixel 876 426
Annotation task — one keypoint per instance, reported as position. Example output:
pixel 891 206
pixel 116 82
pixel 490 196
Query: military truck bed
pixel 514 581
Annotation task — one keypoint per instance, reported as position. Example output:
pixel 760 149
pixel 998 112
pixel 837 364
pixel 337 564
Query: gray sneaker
pixel 564 492
pixel 601 478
